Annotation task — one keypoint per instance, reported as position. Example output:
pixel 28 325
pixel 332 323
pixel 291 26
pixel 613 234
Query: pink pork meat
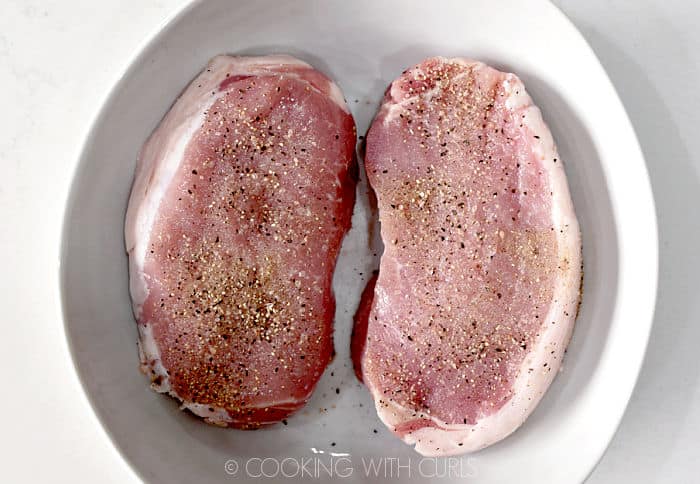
pixel 240 201
pixel 480 280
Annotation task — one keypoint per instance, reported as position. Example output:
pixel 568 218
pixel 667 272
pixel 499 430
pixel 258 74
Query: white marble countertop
pixel 58 58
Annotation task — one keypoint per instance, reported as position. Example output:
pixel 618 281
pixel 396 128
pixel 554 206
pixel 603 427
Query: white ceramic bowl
pixel 364 45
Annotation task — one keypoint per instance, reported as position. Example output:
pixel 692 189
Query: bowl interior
pixel 363 45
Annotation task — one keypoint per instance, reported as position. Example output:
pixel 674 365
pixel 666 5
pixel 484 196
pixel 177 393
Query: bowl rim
pixel 653 242
pixel 135 58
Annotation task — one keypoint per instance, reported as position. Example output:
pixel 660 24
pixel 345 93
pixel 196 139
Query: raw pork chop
pixel 240 202
pixel 480 279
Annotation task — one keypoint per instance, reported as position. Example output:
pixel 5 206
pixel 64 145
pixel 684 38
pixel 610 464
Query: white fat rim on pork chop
pixel 529 386
pixel 158 163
